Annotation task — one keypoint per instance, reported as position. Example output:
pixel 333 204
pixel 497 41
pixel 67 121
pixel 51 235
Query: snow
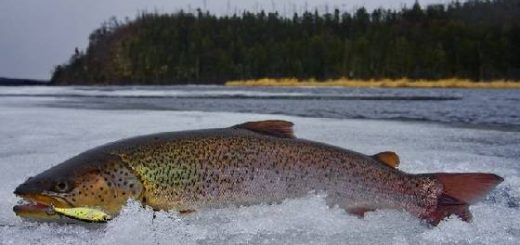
pixel 33 138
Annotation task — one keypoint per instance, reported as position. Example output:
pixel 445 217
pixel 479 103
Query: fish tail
pixel 459 190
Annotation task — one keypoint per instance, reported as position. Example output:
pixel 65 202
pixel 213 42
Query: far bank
pixel 377 83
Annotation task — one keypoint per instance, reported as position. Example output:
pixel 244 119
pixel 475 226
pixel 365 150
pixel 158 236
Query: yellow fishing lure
pixel 84 214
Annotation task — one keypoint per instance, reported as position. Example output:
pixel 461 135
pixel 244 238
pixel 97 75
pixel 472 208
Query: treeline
pixel 478 40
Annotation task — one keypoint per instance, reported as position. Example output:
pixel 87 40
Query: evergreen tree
pixel 477 39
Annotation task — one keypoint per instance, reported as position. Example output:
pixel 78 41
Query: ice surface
pixel 482 107
pixel 34 138
pixel 127 91
pixel 209 91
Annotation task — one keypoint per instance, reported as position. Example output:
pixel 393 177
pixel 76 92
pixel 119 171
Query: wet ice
pixel 33 138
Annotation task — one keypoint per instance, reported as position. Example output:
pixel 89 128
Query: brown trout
pixel 250 163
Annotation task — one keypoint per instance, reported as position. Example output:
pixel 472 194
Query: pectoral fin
pixel 388 157
pixel 187 211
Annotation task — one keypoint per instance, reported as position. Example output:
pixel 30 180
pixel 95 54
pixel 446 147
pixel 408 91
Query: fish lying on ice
pixel 250 163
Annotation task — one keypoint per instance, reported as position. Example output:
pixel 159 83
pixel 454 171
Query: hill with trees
pixel 477 40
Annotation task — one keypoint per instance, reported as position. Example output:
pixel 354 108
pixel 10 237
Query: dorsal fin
pixel 387 157
pixel 277 128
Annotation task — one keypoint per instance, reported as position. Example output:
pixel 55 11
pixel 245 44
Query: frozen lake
pixel 475 107
pixel 40 130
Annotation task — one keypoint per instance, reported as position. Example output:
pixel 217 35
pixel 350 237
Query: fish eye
pixel 61 186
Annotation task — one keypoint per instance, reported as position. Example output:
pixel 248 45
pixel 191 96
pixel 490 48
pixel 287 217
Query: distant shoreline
pixel 382 83
pixel 4 81
pixel 293 82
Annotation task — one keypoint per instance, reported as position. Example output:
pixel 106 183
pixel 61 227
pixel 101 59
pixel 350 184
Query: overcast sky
pixel 36 35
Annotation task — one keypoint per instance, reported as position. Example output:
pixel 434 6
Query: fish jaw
pixel 39 207
pixel 44 208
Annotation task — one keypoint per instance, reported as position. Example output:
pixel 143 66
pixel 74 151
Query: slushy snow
pixel 34 138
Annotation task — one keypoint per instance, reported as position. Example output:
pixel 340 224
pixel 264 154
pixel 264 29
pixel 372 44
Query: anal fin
pixel 359 212
pixel 448 206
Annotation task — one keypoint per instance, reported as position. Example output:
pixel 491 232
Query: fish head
pixel 101 182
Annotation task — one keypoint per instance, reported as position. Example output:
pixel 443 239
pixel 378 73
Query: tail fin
pixel 459 191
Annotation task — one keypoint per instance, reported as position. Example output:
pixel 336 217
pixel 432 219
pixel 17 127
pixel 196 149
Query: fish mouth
pixel 39 206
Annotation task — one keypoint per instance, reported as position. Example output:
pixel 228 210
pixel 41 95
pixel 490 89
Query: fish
pixel 246 164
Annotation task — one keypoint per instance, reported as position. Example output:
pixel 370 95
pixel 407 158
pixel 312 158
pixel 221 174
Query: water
pixel 43 126
pixel 477 107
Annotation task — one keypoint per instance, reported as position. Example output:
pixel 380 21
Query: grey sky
pixel 36 35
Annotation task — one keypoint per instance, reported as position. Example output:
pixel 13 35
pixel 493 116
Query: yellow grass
pixel 383 83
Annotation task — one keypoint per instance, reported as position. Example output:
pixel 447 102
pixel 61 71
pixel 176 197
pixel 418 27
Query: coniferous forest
pixel 478 40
